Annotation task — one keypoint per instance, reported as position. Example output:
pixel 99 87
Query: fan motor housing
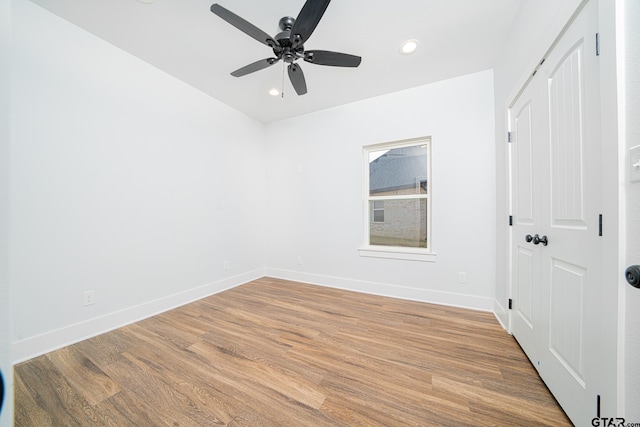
pixel 285 49
pixel 286 23
pixel 284 38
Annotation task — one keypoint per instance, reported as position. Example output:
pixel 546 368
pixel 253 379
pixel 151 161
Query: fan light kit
pixel 288 45
pixel 408 47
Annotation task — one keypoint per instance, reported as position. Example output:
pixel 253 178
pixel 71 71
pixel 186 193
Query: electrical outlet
pixel 299 260
pixel 88 298
pixel 462 277
pixel 226 265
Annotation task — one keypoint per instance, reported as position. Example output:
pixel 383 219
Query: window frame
pixel 397 252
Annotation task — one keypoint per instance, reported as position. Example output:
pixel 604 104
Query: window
pixel 397 200
pixel 378 211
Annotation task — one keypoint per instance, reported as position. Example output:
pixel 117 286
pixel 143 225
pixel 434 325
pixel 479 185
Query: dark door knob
pixel 528 238
pixel 1 391
pixel 632 275
pixel 537 240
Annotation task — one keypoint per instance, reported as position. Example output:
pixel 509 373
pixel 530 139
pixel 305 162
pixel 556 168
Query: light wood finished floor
pixel 280 353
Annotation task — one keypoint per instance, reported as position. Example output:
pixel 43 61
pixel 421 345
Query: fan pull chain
pixel 282 91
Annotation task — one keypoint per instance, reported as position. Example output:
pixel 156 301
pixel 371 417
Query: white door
pixel 556 283
pixel 526 120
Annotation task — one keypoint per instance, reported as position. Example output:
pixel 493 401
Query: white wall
pixel 124 181
pixel 318 213
pixel 6 414
pixel 632 128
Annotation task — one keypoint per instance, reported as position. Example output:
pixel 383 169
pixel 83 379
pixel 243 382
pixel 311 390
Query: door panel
pixel 524 166
pixel 566 127
pixel 567 329
pixel 526 267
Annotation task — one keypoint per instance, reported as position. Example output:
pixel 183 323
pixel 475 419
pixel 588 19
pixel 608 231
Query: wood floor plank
pixel 279 353
pixel 501 402
pixel 105 349
pixel 122 409
pixel 29 412
pixel 271 355
pixel 82 374
pixel 50 390
pixel 293 387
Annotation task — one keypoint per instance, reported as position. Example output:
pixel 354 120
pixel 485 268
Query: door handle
pixel 537 240
pixel 528 238
pixel 633 275
pixel 1 391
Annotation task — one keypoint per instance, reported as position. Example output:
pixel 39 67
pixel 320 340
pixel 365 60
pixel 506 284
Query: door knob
pixel 537 240
pixel 528 238
pixel 1 391
pixel 632 275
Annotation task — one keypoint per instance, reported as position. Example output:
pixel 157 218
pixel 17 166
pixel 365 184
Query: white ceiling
pixel 186 40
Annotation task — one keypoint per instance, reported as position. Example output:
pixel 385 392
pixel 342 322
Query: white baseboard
pixel 31 347
pixel 423 295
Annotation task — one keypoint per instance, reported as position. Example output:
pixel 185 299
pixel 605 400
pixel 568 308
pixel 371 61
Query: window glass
pixel 404 224
pixel 398 171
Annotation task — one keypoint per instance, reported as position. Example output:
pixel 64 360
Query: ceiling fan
pixel 288 45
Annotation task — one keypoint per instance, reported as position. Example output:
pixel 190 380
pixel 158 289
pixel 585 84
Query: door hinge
pixel 509 137
pixel 510 304
pixel 600 225
pixel 597 44
pixel 510 220
pixel 598 406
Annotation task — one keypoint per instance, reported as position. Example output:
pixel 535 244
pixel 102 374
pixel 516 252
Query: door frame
pixel 6 407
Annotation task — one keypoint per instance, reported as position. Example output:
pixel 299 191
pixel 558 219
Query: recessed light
pixel 274 92
pixel 409 46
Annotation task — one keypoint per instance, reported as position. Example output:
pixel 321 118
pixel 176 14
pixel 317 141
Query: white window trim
pixel 393 252
pixel 396 252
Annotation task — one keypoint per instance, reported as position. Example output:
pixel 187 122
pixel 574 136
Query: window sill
pixel 410 254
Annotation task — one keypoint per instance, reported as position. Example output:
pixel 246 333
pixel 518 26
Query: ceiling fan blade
pixel 336 59
pixel 256 66
pixel 243 25
pixel 307 21
pixel 297 79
